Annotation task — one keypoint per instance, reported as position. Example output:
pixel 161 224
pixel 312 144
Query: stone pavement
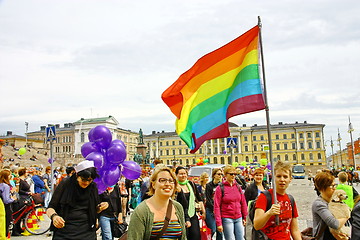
pixel 303 193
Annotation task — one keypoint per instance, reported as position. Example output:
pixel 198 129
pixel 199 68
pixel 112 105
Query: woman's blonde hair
pixel 229 168
pixel 203 177
pixel 154 176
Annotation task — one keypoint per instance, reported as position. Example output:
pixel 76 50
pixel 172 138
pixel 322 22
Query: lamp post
pixel 26 131
pixel 351 129
pixel 332 150
pixel 339 140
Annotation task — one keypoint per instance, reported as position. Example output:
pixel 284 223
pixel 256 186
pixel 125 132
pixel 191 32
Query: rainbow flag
pixel 220 85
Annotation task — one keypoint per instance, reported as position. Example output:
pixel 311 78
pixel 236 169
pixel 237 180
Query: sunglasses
pixel 86 179
pixel 232 174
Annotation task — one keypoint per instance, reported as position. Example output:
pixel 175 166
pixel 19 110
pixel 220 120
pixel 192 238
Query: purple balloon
pixel 101 135
pixel 116 154
pixel 88 148
pixel 97 158
pixel 51 160
pixel 241 167
pixel 100 185
pixel 268 166
pixel 118 142
pixel 111 176
pixel 91 135
pixel 131 170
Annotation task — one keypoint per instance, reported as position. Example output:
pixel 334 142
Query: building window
pixel 167 152
pixel 292 135
pixel 277 136
pixel 285 146
pixel 302 156
pixel 278 157
pixel 293 145
pixel 200 150
pixel 317 144
pixel 255 158
pixel 284 136
pixel 215 160
pixel 246 148
pixel 262 138
pixel 311 156
pixel 294 157
pixel 160 144
pixel 180 143
pixel 254 138
pixel 180 152
pixel 187 151
pixel 301 145
pixel 317 134
pixel 229 159
pixel 82 137
pixel 255 148
pixel 161 152
pixel 174 153
pixel 173 143
pixel 247 158
pixel 286 157
pixel 222 160
pixel 301 135
pixel 310 144
pixel 309 135
pixel 277 146
pixel 245 139
pixel 194 161
pixel 167 143
pixel 319 156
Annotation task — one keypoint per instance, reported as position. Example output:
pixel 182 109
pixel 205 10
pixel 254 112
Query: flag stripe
pixel 242 86
pixel 242 57
pixel 222 84
pixel 173 96
pixel 240 106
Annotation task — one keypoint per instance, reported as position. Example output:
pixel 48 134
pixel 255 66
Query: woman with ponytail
pixel 189 192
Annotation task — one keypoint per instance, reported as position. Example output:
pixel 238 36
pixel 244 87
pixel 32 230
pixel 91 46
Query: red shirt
pixel 281 231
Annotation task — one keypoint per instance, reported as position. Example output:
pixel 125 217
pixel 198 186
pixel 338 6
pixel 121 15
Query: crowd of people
pixel 165 204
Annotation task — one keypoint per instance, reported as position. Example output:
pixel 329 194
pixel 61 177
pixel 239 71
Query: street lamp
pixel 26 131
pixel 332 150
pixel 339 140
pixel 351 129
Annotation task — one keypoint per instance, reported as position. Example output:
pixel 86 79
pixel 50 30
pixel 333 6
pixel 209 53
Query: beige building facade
pixel 296 143
pixel 70 138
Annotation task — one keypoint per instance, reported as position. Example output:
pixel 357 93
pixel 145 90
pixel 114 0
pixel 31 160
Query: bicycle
pixel 36 221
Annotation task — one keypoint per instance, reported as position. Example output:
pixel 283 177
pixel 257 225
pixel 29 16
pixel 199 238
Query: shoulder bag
pixel 166 221
pixel 306 234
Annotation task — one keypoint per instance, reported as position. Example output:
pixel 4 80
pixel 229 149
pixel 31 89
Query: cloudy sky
pixel 64 60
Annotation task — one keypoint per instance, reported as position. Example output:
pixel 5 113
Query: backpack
pixel 258 234
pixel 222 188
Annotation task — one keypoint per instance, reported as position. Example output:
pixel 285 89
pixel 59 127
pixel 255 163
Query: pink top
pixel 231 205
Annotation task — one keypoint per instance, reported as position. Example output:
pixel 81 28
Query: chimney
pixel 244 125
pixel 305 122
pixel 162 131
pixel 9 133
pixel 255 125
pixel 153 132
pixel 42 128
pixel 296 122
pixel 57 125
pixel 280 123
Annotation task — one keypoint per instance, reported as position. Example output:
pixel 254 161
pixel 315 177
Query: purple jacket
pixel 5 193
pixel 232 205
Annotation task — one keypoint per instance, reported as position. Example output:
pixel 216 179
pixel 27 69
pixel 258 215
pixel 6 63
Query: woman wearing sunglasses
pixel 75 204
pixel 148 219
pixel 230 206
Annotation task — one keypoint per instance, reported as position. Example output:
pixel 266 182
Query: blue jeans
pixel 233 228
pixel 211 223
pixel 47 198
pixel 105 225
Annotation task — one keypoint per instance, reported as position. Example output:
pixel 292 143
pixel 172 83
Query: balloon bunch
pixel 109 158
pixel 200 161
pixel 263 162
pixel 235 164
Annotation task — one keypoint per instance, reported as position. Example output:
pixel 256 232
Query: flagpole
pixel 267 120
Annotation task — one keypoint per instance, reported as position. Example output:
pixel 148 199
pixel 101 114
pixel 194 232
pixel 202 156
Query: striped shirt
pixel 173 230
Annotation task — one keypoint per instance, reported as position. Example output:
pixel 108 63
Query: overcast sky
pixel 64 60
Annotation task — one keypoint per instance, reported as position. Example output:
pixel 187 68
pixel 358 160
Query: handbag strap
pixel 322 230
pixel 167 219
